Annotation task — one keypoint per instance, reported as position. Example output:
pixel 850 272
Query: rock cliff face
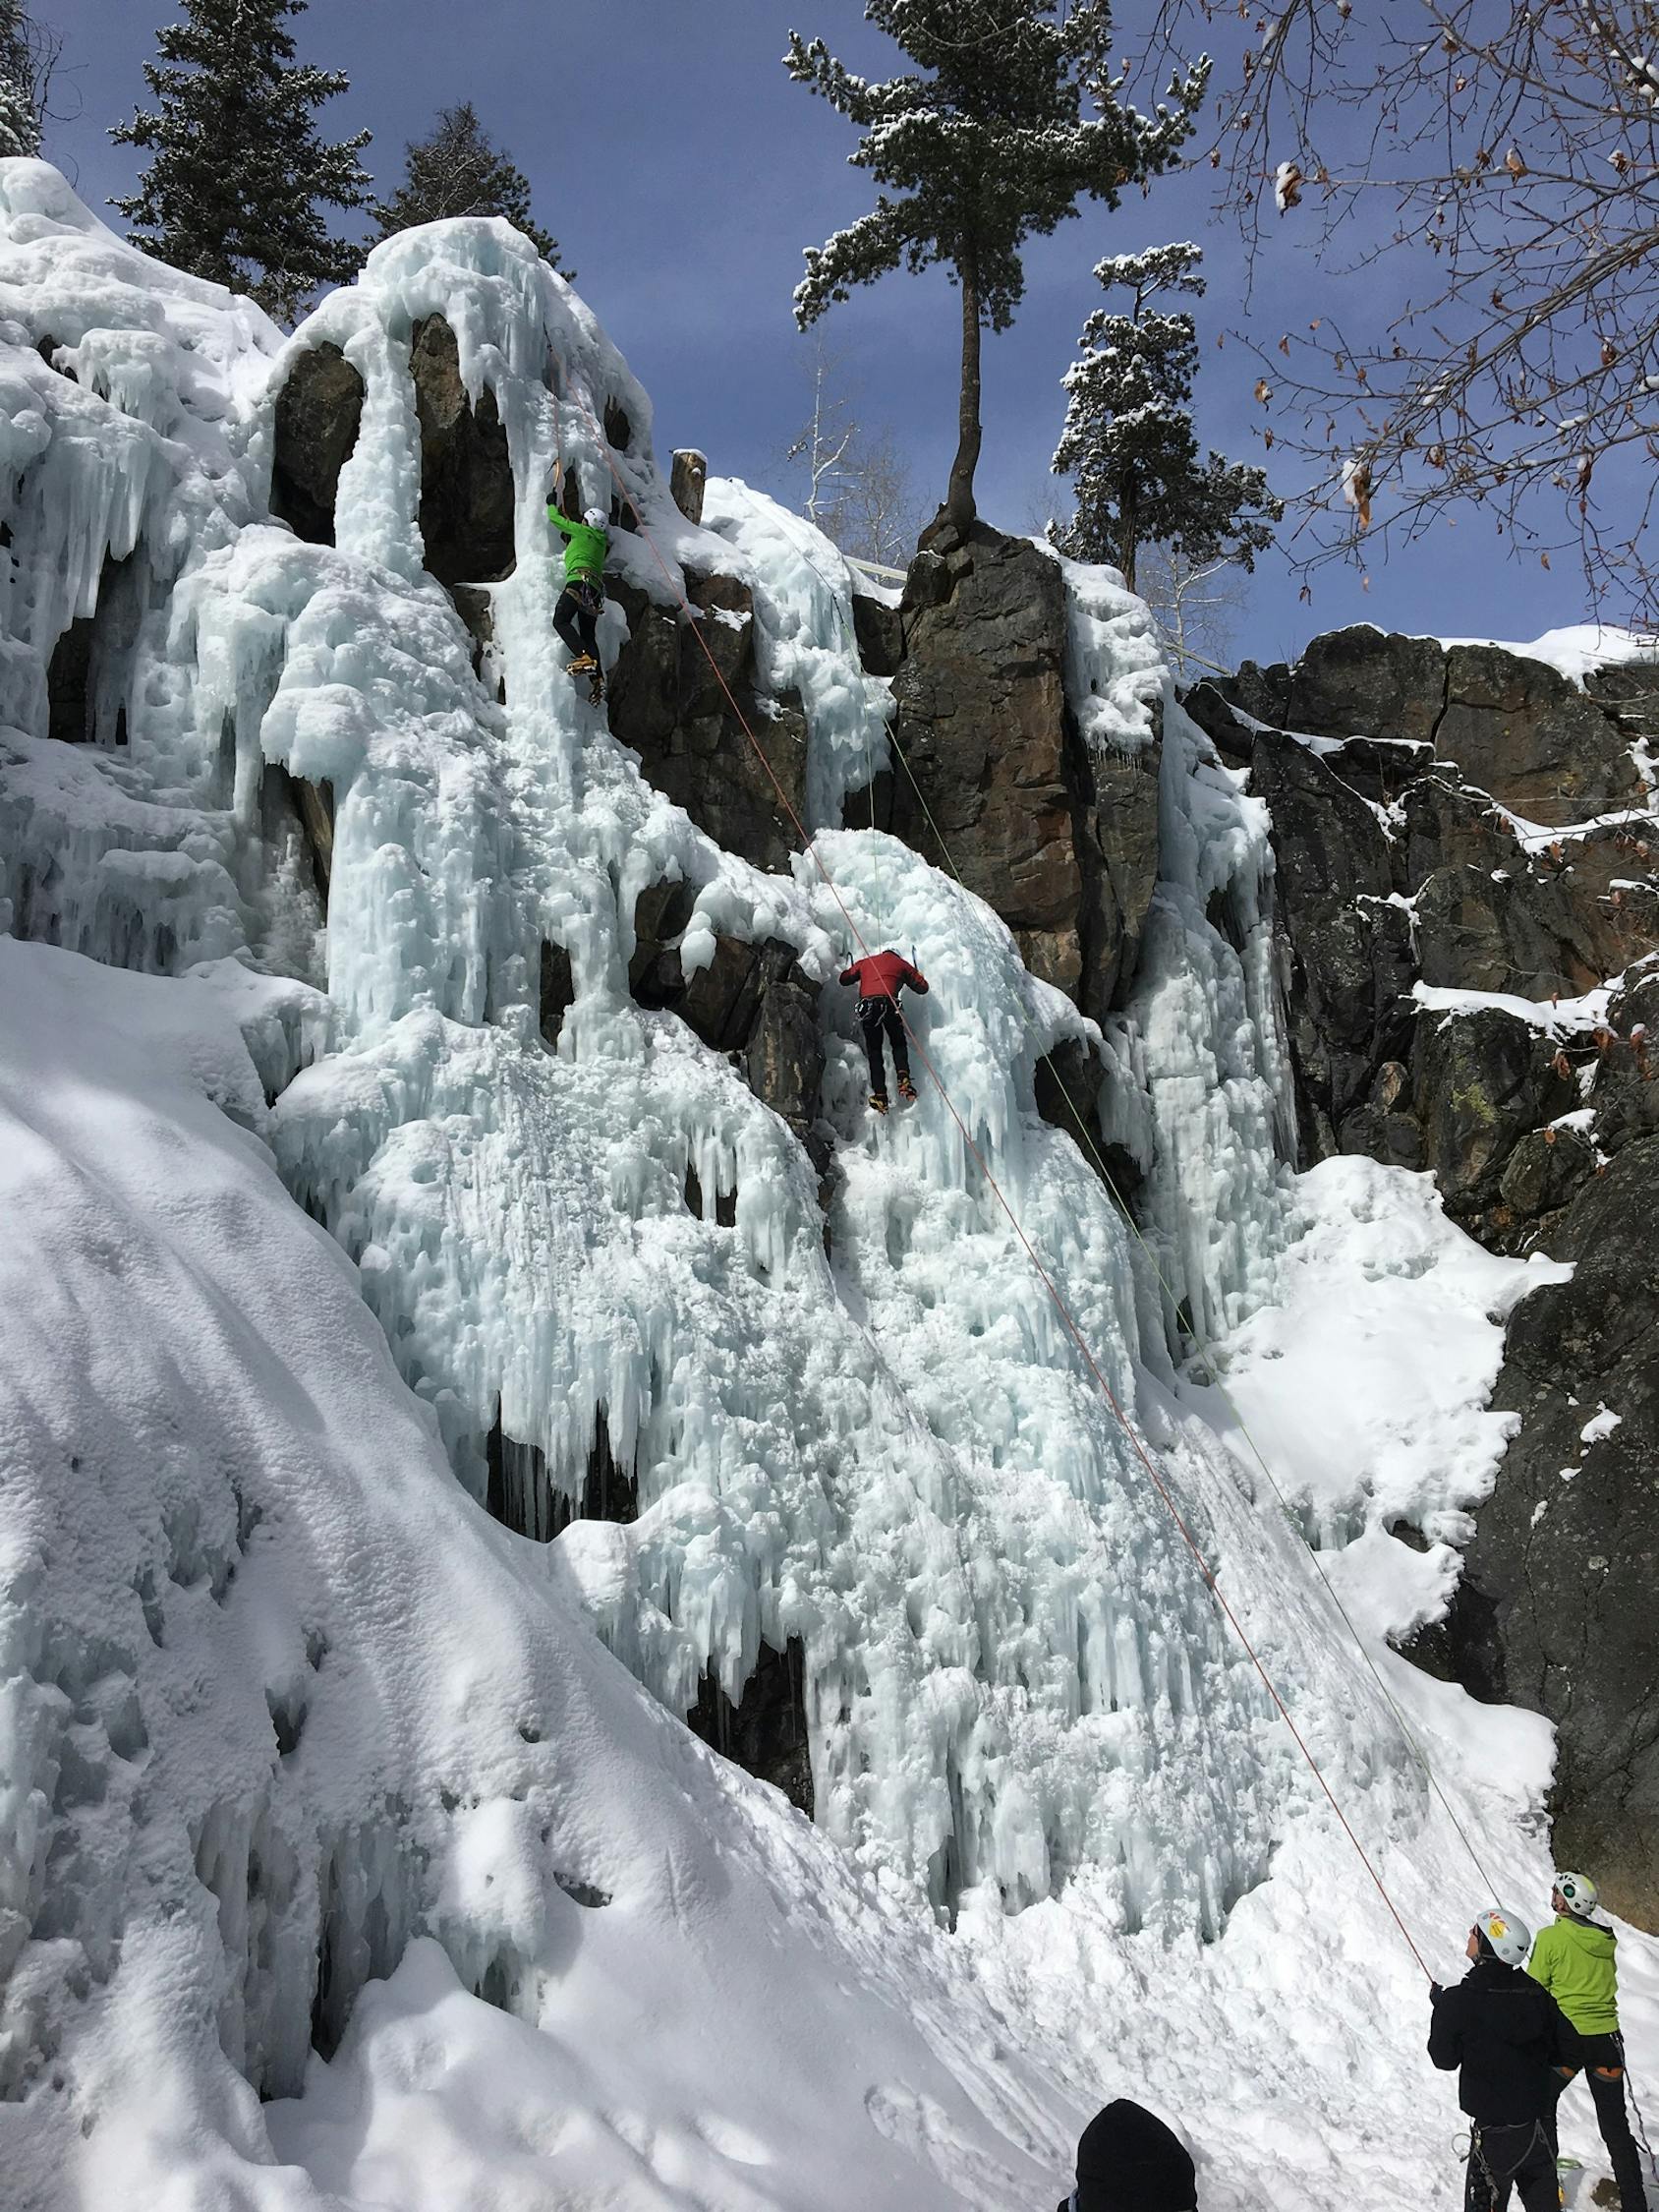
pixel 995 782
pixel 1450 823
pixel 1405 875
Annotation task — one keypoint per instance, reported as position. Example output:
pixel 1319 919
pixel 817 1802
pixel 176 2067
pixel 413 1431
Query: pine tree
pixel 1129 442
pixel 459 172
pixel 989 149
pixel 21 57
pixel 238 177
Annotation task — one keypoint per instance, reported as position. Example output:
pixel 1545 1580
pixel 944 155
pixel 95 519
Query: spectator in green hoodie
pixel 1575 1960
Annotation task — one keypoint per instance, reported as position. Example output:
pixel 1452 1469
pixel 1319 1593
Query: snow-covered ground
pixel 301 1753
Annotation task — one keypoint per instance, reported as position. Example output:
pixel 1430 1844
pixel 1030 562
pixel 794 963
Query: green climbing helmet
pixel 1578 1894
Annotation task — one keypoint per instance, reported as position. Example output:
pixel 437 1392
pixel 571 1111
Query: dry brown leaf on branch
pixel 1356 491
pixel 1609 353
pixel 1264 390
pixel 1544 558
pixel 1436 456
pixel 1514 163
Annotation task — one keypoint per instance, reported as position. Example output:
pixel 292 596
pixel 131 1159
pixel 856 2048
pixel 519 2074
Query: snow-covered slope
pixel 288 1714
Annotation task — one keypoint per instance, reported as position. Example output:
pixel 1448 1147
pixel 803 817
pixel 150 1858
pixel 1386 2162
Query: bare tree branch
pixel 1509 153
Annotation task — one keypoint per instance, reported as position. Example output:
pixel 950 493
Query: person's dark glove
pixel 1435 1993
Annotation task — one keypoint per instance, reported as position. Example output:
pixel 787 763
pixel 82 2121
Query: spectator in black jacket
pixel 1128 2161
pixel 1510 2044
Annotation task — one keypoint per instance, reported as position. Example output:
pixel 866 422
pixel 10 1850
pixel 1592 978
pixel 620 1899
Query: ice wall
pixel 1017 1688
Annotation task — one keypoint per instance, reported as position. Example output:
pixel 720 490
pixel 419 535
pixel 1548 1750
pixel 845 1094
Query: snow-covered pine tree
pixel 458 170
pixel 238 177
pixel 20 98
pixel 1130 444
pixel 989 147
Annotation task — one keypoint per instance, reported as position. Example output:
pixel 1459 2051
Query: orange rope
pixel 809 850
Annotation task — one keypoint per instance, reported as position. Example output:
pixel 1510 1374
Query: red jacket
pixel 883 975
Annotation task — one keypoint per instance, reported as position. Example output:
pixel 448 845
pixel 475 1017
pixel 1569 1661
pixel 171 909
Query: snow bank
pixel 1579 649
pixel 275 1689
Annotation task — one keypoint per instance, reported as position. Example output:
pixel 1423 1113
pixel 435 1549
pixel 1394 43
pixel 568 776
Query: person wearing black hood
pixel 1128 2161
pixel 1510 2044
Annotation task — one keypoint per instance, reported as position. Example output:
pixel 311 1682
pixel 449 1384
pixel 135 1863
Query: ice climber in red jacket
pixel 880 979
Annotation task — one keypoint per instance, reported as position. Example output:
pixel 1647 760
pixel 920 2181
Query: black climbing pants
pixel 1602 2057
pixel 576 619
pixel 1501 2157
pixel 879 1018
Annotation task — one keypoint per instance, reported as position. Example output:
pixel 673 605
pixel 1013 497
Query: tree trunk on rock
pixel 959 500
pixel 1128 526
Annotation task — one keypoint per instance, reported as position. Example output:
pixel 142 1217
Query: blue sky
pixel 683 174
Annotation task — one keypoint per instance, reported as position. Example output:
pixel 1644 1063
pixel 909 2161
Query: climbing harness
pixel 1072 1330
pixel 1498 2191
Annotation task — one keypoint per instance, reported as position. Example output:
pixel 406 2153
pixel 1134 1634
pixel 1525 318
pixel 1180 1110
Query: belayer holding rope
pixel 577 614
pixel 1512 2046
pixel 1575 1960
pixel 880 979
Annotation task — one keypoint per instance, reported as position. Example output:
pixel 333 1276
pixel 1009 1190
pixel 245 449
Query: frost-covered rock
pixel 1556 1609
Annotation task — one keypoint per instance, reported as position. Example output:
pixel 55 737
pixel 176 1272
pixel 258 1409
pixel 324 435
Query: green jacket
pixel 585 547
pixel 1574 1961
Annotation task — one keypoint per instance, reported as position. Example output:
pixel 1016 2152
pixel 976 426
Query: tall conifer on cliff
pixel 459 170
pixel 988 146
pixel 238 177
pixel 1129 442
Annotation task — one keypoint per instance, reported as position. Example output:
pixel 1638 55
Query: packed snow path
pixel 287 1711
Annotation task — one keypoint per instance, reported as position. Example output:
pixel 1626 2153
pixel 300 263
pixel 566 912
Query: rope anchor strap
pixel 810 851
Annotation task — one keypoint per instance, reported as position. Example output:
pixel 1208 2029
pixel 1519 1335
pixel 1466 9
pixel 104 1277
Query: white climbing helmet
pixel 1509 1936
pixel 1578 1894
pixel 595 518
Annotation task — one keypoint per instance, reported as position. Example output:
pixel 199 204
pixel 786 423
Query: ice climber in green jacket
pixel 1575 1960
pixel 576 616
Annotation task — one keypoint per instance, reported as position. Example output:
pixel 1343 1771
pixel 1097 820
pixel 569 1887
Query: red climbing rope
pixel 809 851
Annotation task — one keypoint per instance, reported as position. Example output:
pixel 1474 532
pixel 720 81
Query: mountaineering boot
pixel 583 664
pixel 595 686
pixel 907 1090
pixel 878 1101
